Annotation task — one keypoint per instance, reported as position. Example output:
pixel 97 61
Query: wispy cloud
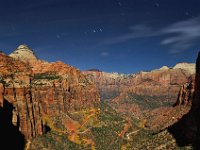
pixel 179 36
pixel 182 35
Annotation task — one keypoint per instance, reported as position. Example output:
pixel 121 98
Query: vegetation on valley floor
pixel 113 131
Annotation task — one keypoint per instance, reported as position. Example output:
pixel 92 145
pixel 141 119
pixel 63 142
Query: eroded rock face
pixel 139 94
pixel 190 67
pixel 16 89
pixel 186 93
pixel 160 82
pixel 40 91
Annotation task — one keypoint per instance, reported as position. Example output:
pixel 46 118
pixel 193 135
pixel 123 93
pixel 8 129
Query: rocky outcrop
pixel 164 68
pixel 16 89
pixel 24 53
pixel 160 82
pixel 186 93
pixel 44 95
pixel 190 67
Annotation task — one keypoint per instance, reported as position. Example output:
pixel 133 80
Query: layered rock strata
pixel 40 91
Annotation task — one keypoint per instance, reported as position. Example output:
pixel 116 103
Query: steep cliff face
pixel 16 89
pixel 186 92
pixel 109 84
pixel 139 94
pixel 44 95
pixel 153 83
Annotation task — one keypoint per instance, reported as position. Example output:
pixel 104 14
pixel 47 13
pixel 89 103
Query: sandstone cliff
pixel 44 95
pixel 139 94
pixel 160 82
pixel 190 67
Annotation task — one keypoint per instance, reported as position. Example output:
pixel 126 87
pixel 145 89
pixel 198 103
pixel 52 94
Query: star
pixel 101 30
pixel 94 31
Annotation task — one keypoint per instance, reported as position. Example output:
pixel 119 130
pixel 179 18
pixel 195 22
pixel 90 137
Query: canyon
pixel 136 94
pixel 52 105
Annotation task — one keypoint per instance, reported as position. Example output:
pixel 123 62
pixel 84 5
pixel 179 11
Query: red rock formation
pixel 186 93
pixel 40 90
pixel 16 89
pixel 138 94
pixel 161 82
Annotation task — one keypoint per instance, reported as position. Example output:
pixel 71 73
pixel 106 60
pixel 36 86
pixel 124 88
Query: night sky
pixel 123 36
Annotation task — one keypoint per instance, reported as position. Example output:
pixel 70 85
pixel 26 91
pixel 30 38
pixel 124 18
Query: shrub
pixel 48 76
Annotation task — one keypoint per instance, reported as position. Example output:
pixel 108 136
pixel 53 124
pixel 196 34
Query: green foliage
pixel 106 138
pixel 146 101
pixel 49 76
pixel 55 141
pixel 2 81
pixel 112 123
pixel 106 135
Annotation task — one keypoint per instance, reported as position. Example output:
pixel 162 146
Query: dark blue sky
pixel 123 36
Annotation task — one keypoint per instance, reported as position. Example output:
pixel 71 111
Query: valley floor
pixel 114 131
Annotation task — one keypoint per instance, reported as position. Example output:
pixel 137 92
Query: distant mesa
pixel 190 67
pixel 24 53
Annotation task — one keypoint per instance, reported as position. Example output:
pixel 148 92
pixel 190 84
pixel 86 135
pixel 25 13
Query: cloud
pixel 179 36
pixel 182 35
pixel 105 54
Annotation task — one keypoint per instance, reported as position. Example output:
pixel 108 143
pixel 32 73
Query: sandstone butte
pixel 40 91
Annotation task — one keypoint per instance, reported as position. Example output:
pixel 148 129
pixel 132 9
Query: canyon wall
pixel 164 82
pixel 40 91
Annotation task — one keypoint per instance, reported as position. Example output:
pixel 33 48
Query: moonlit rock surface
pixel 164 68
pixel 190 67
pixel 24 53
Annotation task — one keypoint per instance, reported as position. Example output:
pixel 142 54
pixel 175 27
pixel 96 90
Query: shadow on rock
pixel 10 136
